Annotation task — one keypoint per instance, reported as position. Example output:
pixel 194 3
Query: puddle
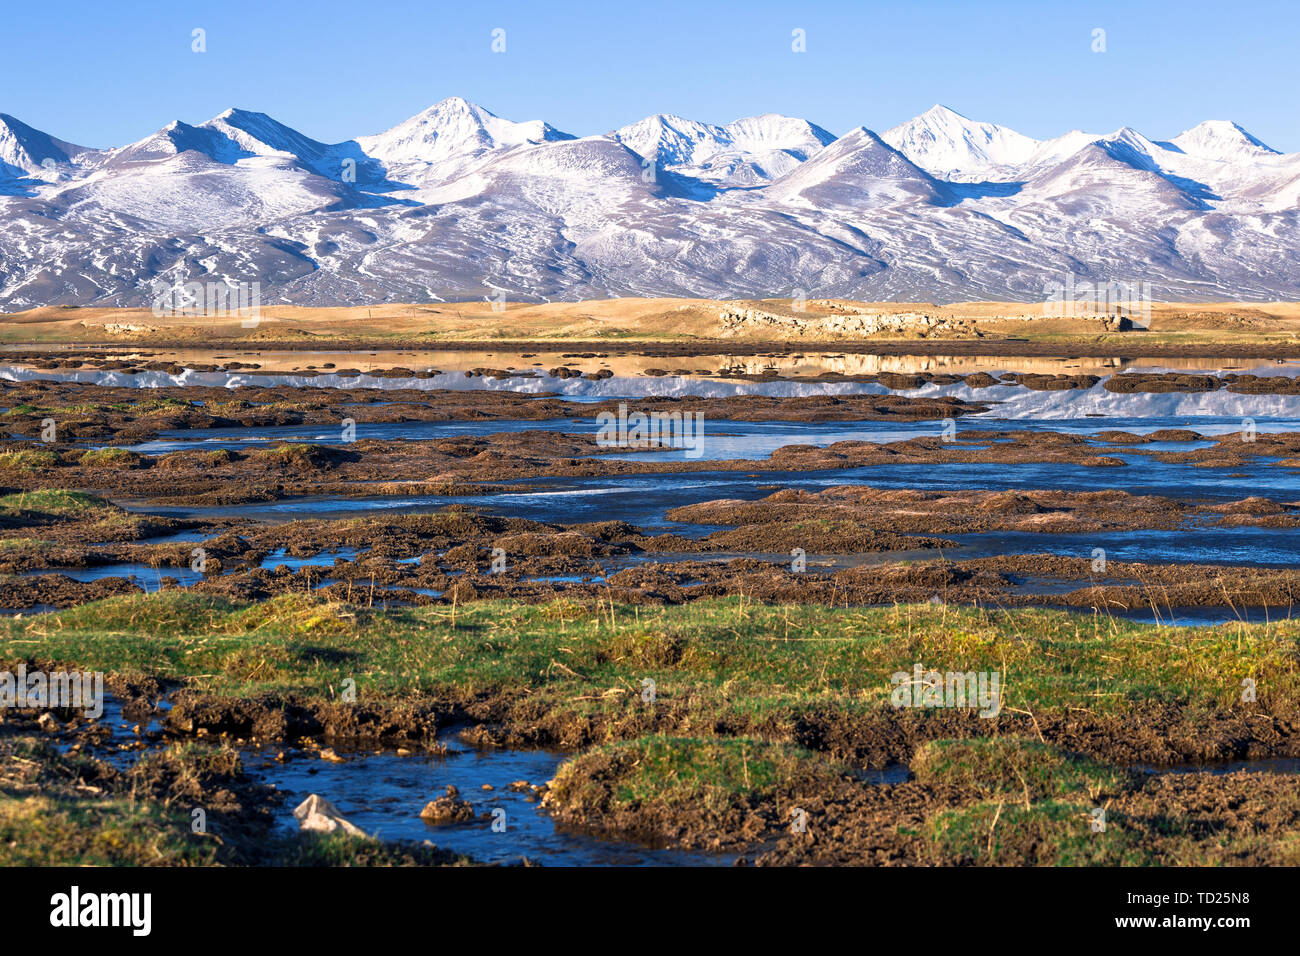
pixel 323 559
pixel 148 578
pixel 384 793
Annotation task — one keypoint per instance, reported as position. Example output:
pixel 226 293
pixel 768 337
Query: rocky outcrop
pixel 845 324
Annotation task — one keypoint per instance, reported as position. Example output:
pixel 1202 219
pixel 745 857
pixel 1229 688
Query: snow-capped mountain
pixel 1222 141
pixel 749 151
pixel 947 144
pixel 859 171
pixel 25 150
pixel 443 139
pixel 457 203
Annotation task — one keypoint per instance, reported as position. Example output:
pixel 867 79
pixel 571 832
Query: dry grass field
pixel 659 321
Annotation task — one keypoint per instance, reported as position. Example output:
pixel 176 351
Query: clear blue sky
pixel 103 73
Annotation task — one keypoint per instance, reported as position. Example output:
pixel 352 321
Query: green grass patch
pixel 41 831
pixel 109 458
pixel 46 819
pixel 992 767
pixel 297 451
pixel 1050 833
pixel 52 501
pixel 728 658
pixel 28 460
pixel 21 544
pixel 147 407
pixel 667 772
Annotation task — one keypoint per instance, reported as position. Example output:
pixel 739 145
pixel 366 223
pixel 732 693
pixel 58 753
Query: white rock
pixel 317 813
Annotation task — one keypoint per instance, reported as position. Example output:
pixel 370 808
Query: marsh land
pixel 400 563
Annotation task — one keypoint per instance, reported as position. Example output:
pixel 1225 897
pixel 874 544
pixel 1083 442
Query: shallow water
pixel 645 499
pixel 625 360
pixel 150 578
pixel 383 794
pixel 721 439
pixel 632 381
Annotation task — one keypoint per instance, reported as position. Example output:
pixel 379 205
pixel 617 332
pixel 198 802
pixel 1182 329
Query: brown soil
pixel 905 511
pixel 454 548
pixel 1240 819
pixel 240 813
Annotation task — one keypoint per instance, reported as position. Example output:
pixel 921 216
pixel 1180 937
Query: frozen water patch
pixel 1010 401
pixel 1015 402
pixel 578 389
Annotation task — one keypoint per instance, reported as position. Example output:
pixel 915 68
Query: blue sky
pixel 106 73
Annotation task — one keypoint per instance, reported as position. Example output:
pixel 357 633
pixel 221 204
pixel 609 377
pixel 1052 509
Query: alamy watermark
pixel 927 689
pixel 675 429
pixel 61 690
pixel 1076 299
pixel 218 298
pixel 74 908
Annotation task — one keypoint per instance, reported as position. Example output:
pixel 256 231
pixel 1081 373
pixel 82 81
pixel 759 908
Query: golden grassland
pixel 631 320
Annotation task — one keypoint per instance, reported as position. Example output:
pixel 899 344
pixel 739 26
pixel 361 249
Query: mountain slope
pixel 446 136
pixel 861 171
pixel 947 144
pixel 457 202
pixel 1221 140
pixel 749 151
pixel 24 149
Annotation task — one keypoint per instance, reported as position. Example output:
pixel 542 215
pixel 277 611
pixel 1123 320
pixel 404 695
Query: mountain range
pixel 458 203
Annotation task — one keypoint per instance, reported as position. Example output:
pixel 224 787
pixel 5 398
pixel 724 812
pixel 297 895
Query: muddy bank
pixel 459 554
pixel 1159 734
pixel 798 808
pixel 1131 382
pixel 119 415
pixel 78 793
pixel 1243 819
pixel 445 466
pixel 906 511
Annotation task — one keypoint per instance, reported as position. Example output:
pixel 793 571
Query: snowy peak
pixel 1129 146
pixel 260 135
pixel 1111 177
pixel 944 142
pixel 1221 140
pixel 748 151
pixel 772 131
pixel 859 170
pixel 673 141
pixel 453 129
pixel 25 149
pixel 176 138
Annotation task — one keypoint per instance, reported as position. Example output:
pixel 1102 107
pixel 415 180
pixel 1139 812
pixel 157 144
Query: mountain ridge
pixel 457 202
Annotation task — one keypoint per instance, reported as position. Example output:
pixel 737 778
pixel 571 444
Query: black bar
pixel 493 904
